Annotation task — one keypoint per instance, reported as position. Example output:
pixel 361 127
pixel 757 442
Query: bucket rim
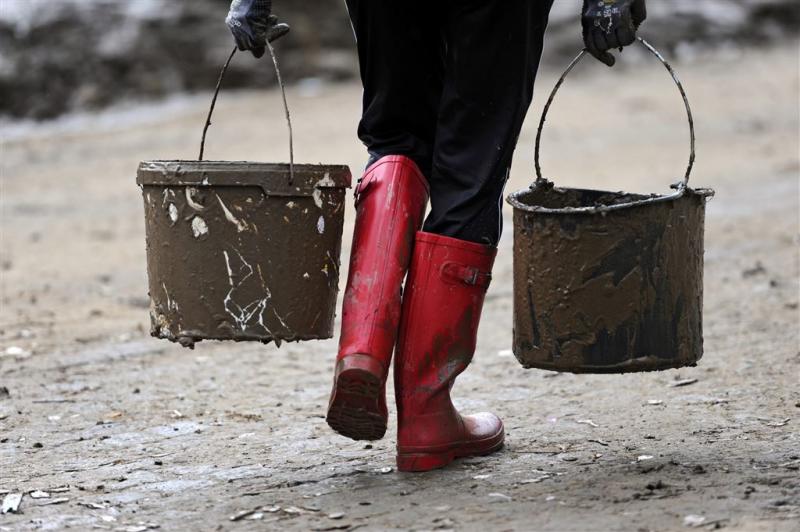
pixel 273 178
pixel 194 164
pixel 513 199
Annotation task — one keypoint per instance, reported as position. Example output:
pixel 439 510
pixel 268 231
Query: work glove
pixel 609 24
pixel 252 24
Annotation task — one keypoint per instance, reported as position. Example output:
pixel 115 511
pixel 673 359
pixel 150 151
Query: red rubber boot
pixel 442 306
pixel 390 205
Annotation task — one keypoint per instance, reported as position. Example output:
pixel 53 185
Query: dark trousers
pixel 448 83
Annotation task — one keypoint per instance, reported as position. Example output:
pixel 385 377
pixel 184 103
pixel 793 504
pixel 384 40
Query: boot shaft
pixel 442 304
pixel 390 203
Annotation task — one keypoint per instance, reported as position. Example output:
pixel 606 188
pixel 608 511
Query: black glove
pixel 609 24
pixel 253 24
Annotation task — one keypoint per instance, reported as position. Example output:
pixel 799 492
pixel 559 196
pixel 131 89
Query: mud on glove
pixel 252 24
pixel 609 24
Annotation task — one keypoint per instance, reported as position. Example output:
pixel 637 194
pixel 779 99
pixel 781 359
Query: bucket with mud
pixel 608 282
pixel 242 250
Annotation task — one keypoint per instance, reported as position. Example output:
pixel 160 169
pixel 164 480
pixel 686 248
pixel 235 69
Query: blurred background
pixel 66 55
pixel 136 433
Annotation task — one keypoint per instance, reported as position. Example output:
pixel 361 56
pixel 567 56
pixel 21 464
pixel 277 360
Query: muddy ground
pixel 125 432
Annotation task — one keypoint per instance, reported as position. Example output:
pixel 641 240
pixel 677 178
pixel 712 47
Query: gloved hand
pixel 609 24
pixel 253 24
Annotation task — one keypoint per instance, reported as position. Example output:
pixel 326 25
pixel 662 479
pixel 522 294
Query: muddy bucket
pixel 242 250
pixel 608 282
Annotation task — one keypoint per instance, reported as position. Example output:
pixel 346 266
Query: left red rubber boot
pixel 442 305
pixel 390 204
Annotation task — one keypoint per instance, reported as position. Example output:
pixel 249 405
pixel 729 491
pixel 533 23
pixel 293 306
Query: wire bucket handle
pixel 683 184
pixel 285 107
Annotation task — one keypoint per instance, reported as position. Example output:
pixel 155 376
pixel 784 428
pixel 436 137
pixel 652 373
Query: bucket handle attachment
pixel 683 184
pixel 285 107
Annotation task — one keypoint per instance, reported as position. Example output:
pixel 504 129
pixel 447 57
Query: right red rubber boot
pixel 390 205
pixel 442 307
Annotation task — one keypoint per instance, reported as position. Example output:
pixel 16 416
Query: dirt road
pixel 124 432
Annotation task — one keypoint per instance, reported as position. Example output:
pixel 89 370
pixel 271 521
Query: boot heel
pixel 357 408
pixel 418 462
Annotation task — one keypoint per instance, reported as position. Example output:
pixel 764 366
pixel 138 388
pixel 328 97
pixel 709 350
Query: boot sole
pixel 354 411
pixel 418 462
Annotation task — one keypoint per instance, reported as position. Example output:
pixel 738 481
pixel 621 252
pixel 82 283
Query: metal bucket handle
pixel 685 182
pixel 285 107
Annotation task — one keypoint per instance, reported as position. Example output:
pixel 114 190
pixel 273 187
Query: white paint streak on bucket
pixel 199 227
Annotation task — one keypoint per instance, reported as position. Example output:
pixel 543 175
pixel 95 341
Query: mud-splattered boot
pixel 442 306
pixel 390 205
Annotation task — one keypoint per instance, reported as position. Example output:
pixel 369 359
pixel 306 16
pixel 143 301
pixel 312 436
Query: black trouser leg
pixel 448 83
pixel 401 57
pixel 493 52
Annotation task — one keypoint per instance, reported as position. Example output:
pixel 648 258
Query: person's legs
pixel 493 50
pixel 402 79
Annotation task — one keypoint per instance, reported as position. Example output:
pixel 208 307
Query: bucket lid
pixel 272 178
